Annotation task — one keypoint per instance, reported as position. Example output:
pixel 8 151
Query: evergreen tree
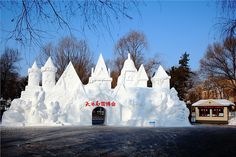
pixel 181 76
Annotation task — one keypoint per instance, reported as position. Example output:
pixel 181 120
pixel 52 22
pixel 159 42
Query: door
pixel 98 116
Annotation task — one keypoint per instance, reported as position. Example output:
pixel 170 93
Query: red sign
pixel 101 103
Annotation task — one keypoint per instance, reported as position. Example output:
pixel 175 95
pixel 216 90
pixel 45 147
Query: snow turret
pixel 161 80
pixel 100 75
pixel 128 73
pixel 33 83
pixel 33 75
pixel 48 75
pixel 141 77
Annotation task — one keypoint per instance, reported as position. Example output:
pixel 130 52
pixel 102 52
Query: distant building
pixel 217 111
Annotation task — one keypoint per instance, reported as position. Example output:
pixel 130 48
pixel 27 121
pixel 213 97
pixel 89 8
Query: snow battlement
pixel 129 77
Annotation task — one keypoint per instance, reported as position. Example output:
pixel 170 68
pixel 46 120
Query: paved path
pixel 118 141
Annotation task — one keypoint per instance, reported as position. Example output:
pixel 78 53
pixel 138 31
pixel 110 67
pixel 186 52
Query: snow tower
pixel 48 75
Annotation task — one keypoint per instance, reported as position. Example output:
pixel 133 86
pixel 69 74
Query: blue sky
pixel 171 28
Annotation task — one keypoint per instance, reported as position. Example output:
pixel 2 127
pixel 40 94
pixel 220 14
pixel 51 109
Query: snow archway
pixel 99 116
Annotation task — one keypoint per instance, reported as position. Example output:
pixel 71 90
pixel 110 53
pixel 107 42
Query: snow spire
pixel 161 80
pixel 129 65
pixel 142 75
pixel 128 73
pixel 34 66
pixel 100 73
pixel 49 64
pixel 128 56
pixel 101 69
pixel 34 75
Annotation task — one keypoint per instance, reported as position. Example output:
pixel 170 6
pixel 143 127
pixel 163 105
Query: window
pixel 204 112
pixel 217 112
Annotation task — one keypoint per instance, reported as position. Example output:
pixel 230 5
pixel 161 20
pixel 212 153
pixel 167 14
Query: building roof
pixel 213 102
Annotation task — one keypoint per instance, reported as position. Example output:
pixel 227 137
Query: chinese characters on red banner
pixel 101 103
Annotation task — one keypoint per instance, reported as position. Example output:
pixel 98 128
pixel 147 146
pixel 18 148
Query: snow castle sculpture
pixel 69 102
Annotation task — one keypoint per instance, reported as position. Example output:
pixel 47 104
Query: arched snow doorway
pixel 98 116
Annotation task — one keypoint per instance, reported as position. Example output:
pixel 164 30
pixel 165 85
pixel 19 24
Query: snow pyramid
pixel 69 102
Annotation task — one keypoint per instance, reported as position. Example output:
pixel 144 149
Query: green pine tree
pixel 180 76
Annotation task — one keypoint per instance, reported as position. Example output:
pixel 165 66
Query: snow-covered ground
pixel 232 121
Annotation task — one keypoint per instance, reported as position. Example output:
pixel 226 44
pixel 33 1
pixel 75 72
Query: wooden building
pixel 217 111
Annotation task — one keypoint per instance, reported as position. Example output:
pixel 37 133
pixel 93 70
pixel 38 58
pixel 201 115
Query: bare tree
pixel 28 16
pixel 9 73
pixel 134 43
pixel 70 49
pixel 227 21
pixel 46 51
pixel 220 61
pixel 151 65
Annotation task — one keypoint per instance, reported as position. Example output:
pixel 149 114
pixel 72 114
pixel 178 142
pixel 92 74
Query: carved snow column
pixel 34 75
pixel 48 75
pixel 161 80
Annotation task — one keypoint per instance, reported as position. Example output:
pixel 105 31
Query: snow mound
pixel 232 121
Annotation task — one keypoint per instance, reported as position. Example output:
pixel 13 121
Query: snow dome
pixel 69 102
